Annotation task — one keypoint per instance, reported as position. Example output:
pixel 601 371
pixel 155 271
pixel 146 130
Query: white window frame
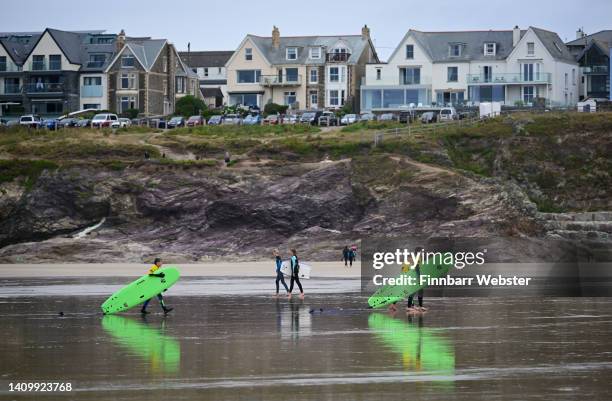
pixel 406 51
pixel 127 56
pixel 316 56
pixel 205 71
pixel 450 49
pixel 448 70
pixel 315 75
pixel 531 48
pixel 336 97
pixel 165 63
pixel 337 74
pixel 534 94
pixel 248 53
pixel 314 93
pixel 129 100
pixel 288 94
pixel 131 77
pixel 490 52
pixel 292 49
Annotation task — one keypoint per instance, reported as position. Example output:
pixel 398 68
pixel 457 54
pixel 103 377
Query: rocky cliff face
pixel 194 213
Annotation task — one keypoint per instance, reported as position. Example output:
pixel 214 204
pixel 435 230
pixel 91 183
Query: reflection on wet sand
pixel 143 341
pixel 422 350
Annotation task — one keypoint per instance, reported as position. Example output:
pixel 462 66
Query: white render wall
pixel 46 46
pixel 102 101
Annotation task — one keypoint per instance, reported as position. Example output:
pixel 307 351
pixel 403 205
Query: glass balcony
pixel 280 80
pixel 509 78
pixel 43 65
pixel 11 89
pixel 9 66
pixel 91 91
pixel 596 70
pixel 40 87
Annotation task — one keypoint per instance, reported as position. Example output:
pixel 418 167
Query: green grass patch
pixel 28 169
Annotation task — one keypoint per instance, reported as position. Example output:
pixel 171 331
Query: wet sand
pixel 214 269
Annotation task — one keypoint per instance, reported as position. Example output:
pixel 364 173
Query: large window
pixel 128 80
pixel 410 76
pixel 127 61
pixel 292 53
pixel 314 75
pixel 334 98
pixel 127 102
pixel 529 94
pixel 454 50
pixel 290 98
pixel 248 54
pixel 453 74
pixel 96 60
pixel 55 62
pixel 248 76
pixel 2 63
pixel 181 85
pixel 334 74
pixel 291 74
pixel 91 106
pixel 92 81
pixel 409 52
pixel 38 63
pixel 393 98
pixel 246 99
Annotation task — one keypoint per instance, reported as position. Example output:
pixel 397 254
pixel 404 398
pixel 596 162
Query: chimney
pixel 516 35
pixel 120 42
pixel 365 32
pixel 275 37
pixel 580 33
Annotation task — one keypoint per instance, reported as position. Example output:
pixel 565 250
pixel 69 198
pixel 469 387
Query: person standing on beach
pixel 345 255
pixel 157 264
pixel 410 307
pixel 295 271
pixel 279 274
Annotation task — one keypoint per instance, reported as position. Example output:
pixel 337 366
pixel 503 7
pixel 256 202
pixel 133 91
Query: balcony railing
pixel 91 91
pixel 280 80
pixel 11 89
pixel 509 78
pixel 44 88
pixel 596 70
pixel 38 65
pixel 9 67
pixel 337 57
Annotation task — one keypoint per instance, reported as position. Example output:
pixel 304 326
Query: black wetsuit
pixel 419 292
pixel 295 271
pixel 279 274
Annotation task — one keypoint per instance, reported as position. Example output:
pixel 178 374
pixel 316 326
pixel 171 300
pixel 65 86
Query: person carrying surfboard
pixel 295 274
pixel 157 264
pixel 410 308
pixel 279 275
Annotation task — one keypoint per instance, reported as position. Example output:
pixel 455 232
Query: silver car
pixel 232 119
pixel 349 119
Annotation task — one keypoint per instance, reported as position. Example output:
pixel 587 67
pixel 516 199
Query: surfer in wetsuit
pixel 345 255
pixel 410 308
pixel 279 275
pixel 157 264
pixel 295 271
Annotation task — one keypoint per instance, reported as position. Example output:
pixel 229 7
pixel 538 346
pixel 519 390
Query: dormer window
pixel 127 61
pixel 490 49
pixel 292 53
pixel 454 50
pixel 315 53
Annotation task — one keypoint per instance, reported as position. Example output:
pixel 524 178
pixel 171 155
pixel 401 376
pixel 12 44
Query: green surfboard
pixel 421 348
pixel 138 291
pixel 148 343
pixel 389 294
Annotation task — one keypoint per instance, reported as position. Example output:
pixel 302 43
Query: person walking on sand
pixel 295 271
pixel 345 255
pixel 279 275
pixel 352 254
pixel 157 264
pixel 410 307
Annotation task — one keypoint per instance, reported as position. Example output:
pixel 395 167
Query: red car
pixel 194 121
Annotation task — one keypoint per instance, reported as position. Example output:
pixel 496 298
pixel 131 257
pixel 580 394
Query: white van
pixel 448 114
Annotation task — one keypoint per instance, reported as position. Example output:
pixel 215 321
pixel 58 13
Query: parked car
pixel 406 116
pixel 68 122
pixel 194 121
pixel 50 124
pixel 311 117
pixel 272 119
pixel 367 117
pixel 157 123
pixel 176 122
pixel 349 119
pixel 448 114
pixel 30 120
pixel 232 119
pixel 386 117
pixel 215 120
pixel 121 123
pixel 12 123
pixel 328 118
pixel 84 123
pixel 428 117
pixel 103 120
pixel 290 119
pixel 3 122
pixel 252 120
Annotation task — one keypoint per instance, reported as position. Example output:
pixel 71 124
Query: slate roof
pixel 211 92
pixel 356 44
pixel 604 36
pixel 436 44
pixel 145 50
pixel 214 58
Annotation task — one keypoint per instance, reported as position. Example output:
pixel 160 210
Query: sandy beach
pixel 213 269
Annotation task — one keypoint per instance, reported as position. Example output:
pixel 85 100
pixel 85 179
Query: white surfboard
pixel 304 269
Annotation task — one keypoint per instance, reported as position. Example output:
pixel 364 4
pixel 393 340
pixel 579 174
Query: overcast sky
pixel 221 25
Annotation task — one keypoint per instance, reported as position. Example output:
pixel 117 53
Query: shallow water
pixel 248 346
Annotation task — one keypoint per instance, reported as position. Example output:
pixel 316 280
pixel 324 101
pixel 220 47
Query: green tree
pixel 189 106
pixel 273 108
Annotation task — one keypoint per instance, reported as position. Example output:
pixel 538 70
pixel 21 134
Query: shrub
pixel 130 113
pixel 189 106
pixel 273 108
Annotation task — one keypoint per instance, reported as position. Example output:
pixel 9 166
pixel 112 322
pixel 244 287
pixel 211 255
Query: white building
pixel 438 68
pixel 212 75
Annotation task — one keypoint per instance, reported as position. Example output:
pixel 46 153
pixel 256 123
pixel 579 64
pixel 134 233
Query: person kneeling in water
pixel 295 274
pixel 157 264
pixel 279 275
